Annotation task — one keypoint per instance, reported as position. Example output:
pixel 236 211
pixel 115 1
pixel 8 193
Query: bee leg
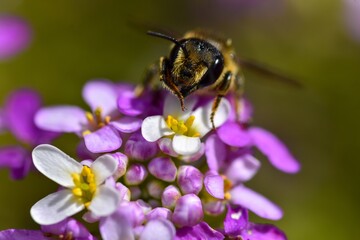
pixel 222 89
pixel 149 79
pixel 239 90
pixel 165 77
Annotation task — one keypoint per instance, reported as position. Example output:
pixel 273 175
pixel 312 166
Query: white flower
pixel 83 186
pixel 184 127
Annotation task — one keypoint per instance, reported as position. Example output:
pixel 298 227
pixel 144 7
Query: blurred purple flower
pixel 18 118
pixel 352 17
pixel 15 36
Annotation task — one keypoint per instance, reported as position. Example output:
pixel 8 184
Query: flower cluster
pixel 147 169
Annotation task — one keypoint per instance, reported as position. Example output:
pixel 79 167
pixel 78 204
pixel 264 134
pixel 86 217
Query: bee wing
pixel 267 71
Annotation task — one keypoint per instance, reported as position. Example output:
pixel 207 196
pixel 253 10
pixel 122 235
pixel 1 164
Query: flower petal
pixel 17 159
pixel 103 167
pixel 56 207
pixel 20 234
pixel 154 127
pixel 255 202
pixel 105 201
pixel 215 151
pixel 55 164
pixel 236 220
pixel 279 156
pixel 15 35
pixel 67 227
pixel 232 134
pixel 19 112
pixel 214 184
pixel 61 119
pixel 202 122
pixel 127 124
pixel 158 229
pixel 243 168
pixel 101 93
pixel 263 232
pixel 184 145
pixel 116 226
pixel 105 139
pixel 199 231
pixel 172 107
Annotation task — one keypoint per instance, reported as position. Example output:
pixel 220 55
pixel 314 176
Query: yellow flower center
pixel 85 185
pixel 181 127
pixel 96 120
pixel 227 187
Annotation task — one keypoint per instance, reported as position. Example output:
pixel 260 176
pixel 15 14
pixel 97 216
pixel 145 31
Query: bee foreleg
pixel 222 88
pixel 166 78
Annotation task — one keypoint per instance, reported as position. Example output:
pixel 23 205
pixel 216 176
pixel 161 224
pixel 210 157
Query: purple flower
pixel 236 224
pixel 100 128
pixel 237 167
pixel 67 229
pixel 18 118
pixel 15 36
pixel 352 17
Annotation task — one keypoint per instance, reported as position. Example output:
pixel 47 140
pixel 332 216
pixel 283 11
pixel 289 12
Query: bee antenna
pixel 161 35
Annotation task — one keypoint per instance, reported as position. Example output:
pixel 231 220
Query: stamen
pixel 181 127
pixel 85 186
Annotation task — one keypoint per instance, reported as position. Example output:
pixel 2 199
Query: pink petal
pixel 279 156
pixel 106 139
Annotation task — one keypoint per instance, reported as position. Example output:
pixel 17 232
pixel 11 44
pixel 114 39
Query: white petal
pixel 105 201
pixel 202 122
pixel 56 207
pixel 55 164
pixel 155 127
pixel 184 145
pixel 172 107
pixel 103 167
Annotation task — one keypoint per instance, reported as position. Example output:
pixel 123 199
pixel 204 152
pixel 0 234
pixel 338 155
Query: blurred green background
pixel 75 41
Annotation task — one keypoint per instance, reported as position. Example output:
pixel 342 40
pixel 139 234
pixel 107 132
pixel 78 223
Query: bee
pixel 201 62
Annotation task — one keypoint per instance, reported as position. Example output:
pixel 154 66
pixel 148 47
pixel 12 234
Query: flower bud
pixel 135 174
pixel 190 179
pixel 159 212
pixel 138 148
pixel 155 189
pixel 122 160
pixel 170 196
pixel 188 211
pixel 163 168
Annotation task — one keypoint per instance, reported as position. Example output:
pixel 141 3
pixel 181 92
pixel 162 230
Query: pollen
pixel 181 127
pixel 96 120
pixel 85 186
